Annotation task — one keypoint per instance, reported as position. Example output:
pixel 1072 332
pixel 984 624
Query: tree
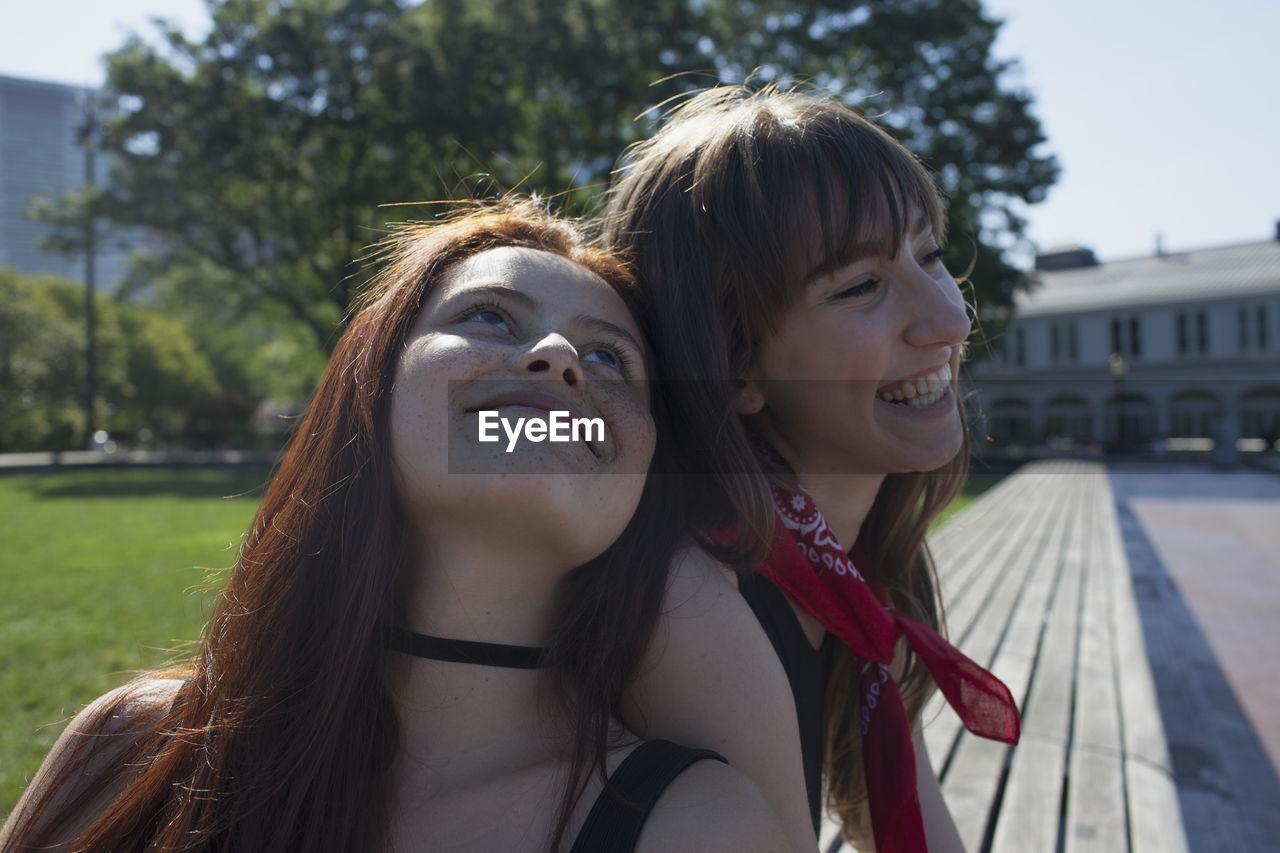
pixel 265 151
pixel 149 371
pixel 41 369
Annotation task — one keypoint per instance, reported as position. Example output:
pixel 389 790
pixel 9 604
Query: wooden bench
pixel 1036 586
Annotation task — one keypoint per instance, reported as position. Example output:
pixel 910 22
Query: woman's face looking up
pixel 860 375
pixel 519 334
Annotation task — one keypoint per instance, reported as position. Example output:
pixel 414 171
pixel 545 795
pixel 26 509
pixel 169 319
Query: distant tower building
pixel 40 130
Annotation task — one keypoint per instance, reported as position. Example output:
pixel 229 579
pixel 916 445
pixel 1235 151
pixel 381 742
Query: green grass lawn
pixel 101 575
pixel 105 573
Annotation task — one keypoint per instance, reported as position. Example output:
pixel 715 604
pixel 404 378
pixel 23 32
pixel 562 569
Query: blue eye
pixel 488 314
pixel 604 356
pixel 615 359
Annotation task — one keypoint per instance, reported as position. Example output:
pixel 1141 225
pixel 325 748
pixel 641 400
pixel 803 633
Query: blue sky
pixel 1163 115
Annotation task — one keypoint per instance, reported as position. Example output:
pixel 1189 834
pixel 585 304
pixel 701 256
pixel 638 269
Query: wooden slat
pixel 1038 588
pixel 1191 683
pixel 1096 817
pixel 971 785
pixel 1155 818
pixel 964 544
pixel 1095 798
pixel 1031 811
pixel 1029 522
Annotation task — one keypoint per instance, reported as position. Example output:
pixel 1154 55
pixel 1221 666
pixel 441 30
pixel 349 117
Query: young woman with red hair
pixel 425 636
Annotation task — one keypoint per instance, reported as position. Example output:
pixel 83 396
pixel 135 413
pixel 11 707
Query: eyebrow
pixel 923 224
pixel 605 327
pixel 497 289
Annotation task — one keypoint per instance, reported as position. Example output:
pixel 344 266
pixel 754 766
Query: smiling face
pixel 522 332
pixel 859 376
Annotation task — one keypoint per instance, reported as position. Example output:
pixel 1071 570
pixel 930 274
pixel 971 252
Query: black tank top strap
pixel 619 813
pixel 807 670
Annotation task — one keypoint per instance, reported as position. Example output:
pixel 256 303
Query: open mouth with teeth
pixel 921 391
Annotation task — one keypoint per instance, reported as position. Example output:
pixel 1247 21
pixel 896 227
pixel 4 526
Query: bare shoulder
pixel 707 654
pixel 701 603
pixel 123 710
pixel 712 807
pixel 710 678
pixel 90 744
pixel 697 579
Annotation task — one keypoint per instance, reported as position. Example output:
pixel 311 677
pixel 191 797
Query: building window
pixel 1019 347
pixel 1242 315
pixel 1073 342
pixel 1262 327
pixel 1135 337
pixel 1202 332
pixel 1055 344
pixel 1183 345
pixel 1115 337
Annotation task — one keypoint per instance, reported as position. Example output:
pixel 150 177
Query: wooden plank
pixel 970 788
pixel 1030 813
pixel 970 536
pixel 959 565
pixel 1095 803
pixel 1155 817
pixel 983 512
pixel 1013 547
pixel 959 543
pixel 1047 710
pixel 1096 817
pixel 1011 564
pixel 1031 810
pixel 1189 680
pixel 971 784
pixel 1144 736
pixel 1043 593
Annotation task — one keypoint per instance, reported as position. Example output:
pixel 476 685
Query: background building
pixel 41 126
pixel 1178 345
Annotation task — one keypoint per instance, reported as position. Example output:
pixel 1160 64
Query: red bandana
pixel 807 563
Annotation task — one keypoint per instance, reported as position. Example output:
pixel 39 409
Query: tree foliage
pixel 265 151
pixel 148 370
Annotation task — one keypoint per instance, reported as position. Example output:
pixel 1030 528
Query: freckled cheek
pixel 635 435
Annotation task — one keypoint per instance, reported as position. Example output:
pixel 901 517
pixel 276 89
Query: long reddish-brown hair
pixel 280 735
pixel 722 213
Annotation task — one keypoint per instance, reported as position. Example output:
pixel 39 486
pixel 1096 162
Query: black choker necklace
pixel 466 651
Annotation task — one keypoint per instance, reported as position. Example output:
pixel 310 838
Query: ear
pixel 748 399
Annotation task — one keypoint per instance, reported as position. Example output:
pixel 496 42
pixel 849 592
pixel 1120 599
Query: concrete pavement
pixel 1204 549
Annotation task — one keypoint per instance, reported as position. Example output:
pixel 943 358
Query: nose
pixel 553 356
pixel 938 315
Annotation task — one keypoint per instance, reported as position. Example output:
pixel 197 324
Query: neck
pixel 463 723
pixel 472 590
pixel 845 500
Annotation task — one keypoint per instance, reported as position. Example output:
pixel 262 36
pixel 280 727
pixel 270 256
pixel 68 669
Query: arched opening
pixel 1260 415
pixel 1009 421
pixel 1069 417
pixel 1192 414
pixel 1130 420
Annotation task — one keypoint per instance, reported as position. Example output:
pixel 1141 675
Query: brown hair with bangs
pixel 282 734
pixel 736 193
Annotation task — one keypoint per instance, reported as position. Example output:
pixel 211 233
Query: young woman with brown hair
pixel 793 254
pixel 316 716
